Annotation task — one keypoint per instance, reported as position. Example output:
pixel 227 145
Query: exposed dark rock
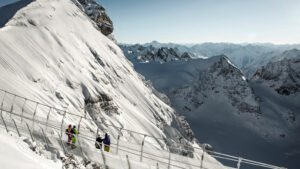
pixel 97 13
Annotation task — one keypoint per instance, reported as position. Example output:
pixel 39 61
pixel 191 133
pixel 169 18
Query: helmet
pixel 70 125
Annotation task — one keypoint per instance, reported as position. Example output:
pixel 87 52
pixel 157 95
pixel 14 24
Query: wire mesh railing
pixel 39 116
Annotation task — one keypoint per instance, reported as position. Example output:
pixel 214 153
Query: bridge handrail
pixel 215 154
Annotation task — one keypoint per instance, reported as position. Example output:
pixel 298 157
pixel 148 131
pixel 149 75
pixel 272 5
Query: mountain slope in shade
pixel 283 75
pixel 235 115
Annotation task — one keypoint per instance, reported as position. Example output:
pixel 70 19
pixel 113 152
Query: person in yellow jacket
pixel 74 135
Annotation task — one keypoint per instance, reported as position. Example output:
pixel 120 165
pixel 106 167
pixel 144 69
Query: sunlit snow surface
pixel 15 153
pixel 52 52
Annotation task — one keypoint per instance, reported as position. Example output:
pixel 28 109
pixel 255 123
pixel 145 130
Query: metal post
pixel 34 113
pixel 2 110
pixel 3 121
pixel 202 158
pixel 128 161
pixel 12 105
pixel 16 127
pixel 23 109
pixel 141 158
pixel 118 143
pixel 61 142
pixel 79 124
pixel 97 131
pixel 3 100
pixel 239 163
pixel 62 122
pixel 157 166
pixel 48 118
pixel 78 137
pixel 45 137
pixel 30 132
pixel 169 163
pixel 103 158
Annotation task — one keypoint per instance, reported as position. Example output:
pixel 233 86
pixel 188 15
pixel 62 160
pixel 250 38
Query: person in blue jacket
pixel 106 142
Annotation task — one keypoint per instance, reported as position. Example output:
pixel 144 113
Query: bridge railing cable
pixel 29 111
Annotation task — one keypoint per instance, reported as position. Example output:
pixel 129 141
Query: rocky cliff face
pixel 97 13
pixel 222 79
pixel 283 76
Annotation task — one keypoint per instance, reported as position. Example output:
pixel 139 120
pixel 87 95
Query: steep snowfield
pixel 53 53
pixel 19 155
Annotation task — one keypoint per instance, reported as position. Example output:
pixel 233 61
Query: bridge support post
pixel 34 113
pixel 48 115
pixel 103 158
pixel 30 132
pixel 3 121
pixel 2 102
pixel 141 158
pixel 23 109
pixel 202 158
pixel 16 127
pixel 169 163
pixel 12 105
pixel 45 137
pixel 61 142
pixel 118 139
pixel 62 123
pixel 128 163
pixel 78 137
pixel 239 163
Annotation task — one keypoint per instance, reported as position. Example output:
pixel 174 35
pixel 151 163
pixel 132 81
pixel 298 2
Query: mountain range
pixel 256 117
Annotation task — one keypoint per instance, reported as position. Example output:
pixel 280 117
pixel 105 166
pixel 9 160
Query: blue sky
pixel 196 21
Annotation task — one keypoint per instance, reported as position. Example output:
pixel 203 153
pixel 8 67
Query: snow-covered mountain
pixel 247 57
pixel 283 76
pixel 140 53
pixel 57 52
pixel 232 113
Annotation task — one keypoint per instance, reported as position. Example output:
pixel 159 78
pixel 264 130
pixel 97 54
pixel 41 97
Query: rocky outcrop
pixel 149 53
pixel 97 13
pixel 282 76
pixel 222 79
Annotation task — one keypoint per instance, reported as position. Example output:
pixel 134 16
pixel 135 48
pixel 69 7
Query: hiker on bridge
pixel 98 143
pixel 69 134
pixel 106 142
pixel 74 132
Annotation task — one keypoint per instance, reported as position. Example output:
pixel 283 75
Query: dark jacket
pixel 106 140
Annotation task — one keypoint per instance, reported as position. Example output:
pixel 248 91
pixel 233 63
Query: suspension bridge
pixel 46 125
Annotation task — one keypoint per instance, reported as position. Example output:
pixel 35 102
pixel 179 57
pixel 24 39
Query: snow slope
pixel 52 52
pixel 19 155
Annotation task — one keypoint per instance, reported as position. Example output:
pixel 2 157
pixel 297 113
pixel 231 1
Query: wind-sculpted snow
pixel 51 52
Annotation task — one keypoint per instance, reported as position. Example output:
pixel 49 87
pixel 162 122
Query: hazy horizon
pixel 200 21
